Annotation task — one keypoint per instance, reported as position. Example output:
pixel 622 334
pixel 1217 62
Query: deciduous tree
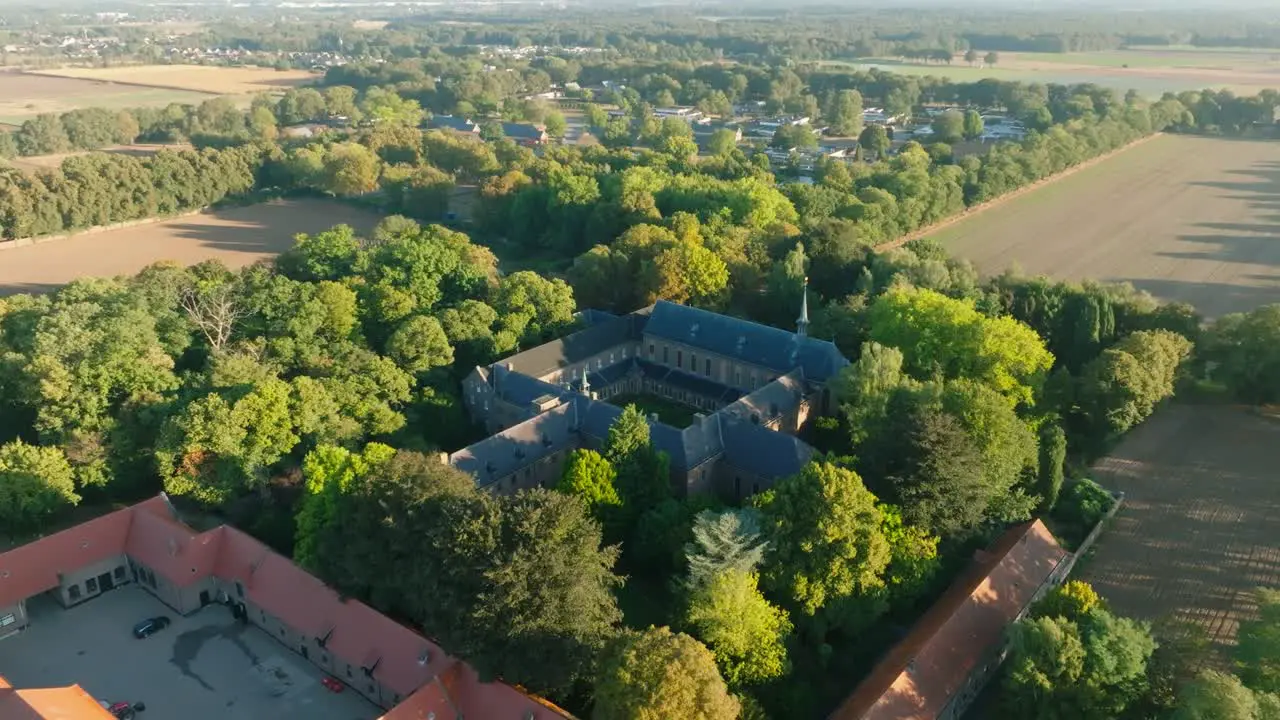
pixel 658 675
pixel 745 631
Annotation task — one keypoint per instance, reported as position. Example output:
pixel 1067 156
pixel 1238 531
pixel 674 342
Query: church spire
pixel 586 386
pixel 802 323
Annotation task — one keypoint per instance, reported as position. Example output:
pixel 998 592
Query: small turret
pixel 802 322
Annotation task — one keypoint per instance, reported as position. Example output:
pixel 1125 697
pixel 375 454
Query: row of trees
pixel 1073 658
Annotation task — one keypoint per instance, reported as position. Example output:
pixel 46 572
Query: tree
pixel 1258 645
pixel 547 606
pixel 544 306
pixel 1053 451
pixel 589 477
pixel 745 631
pixel 643 477
pixel 844 113
pixel 971 56
pixel 387 106
pixel 555 124
pixel 215 307
pixel 991 58
pixel 689 274
pixel 941 335
pixel 330 472
pixel 1216 695
pixel 596 116
pixel 657 675
pixel 723 542
pixel 327 255
pixel 1122 387
pixel 1245 347
pixel 262 124
pixel 874 140
pixel 722 142
pixel 340 101
pixel 972 125
pixel 949 127
pixel 1072 600
pixel 419 344
pixel 35 483
pixel 42 135
pixel 826 546
pixel 1091 669
pixel 350 169
pixel 794 136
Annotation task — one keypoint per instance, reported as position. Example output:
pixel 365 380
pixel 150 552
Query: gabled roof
pixel 450 122
pixel 763 452
pixel 64 703
pixel 519 445
pixel 919 676
pixel 457 692
pixel 396 656
pixel 523 131
pixel 750 342
pixel 777 398
pixel 600 336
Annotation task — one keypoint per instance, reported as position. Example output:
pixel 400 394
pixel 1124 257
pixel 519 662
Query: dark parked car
pixel 123 710
pixel 149 626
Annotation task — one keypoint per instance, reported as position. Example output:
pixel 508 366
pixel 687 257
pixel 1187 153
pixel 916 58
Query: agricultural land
pixel 1188 219
pixel 1197 531
pixel 195 78
pixel 1150 71
pixel 23 96
pixel 236 236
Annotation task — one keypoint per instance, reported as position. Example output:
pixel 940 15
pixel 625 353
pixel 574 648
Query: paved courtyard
pixel 203 667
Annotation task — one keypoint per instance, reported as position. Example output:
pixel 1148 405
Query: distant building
pixel 465 126
pixel 148 544
pixel 942 664
pixel 750 386
pixel 525 134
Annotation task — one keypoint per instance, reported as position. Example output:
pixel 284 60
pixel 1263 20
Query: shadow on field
pixel 248 237
pixel 27 288
pixel 1210 299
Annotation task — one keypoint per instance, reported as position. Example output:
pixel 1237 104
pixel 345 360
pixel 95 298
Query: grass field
pixel 1150 71
pixel 1200 526
pixel 668 411
pixel 236 236
pixel 193 78
pixel 23 96
pixel 1185 218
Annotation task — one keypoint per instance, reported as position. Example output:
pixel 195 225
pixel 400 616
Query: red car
pixel 332 684
pixel 122 710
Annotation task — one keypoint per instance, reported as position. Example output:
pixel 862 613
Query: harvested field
pixel 1200 527
pixel 195 78
pixel 23 95
pixel 1186 218
pixel 46 162
pixel 236 236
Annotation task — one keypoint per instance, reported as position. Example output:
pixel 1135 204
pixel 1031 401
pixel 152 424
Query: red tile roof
pixel 921 673
pixel 68 703
pixel 150 532
pixel 458 692
pixel 34 568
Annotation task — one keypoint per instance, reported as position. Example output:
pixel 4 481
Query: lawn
pixel 1188 219
pixel 668 411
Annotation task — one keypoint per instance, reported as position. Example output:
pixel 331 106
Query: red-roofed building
pixel 66 703
pixel 147 544
pixel 937 670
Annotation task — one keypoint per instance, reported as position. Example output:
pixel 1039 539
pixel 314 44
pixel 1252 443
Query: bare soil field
pixel 1200 527
pixel 23 95
pixel 1186 218
pixel 46 162
pixel 194 78
pixel 236 236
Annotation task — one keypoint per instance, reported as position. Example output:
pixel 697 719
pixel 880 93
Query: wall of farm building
pixel 185 599
pixel 743 376
pixel 599 361
pixel 543 472
pixel 13 618
pixel 312 649
pixel 86 582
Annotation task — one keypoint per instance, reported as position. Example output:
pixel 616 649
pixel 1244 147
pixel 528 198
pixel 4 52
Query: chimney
pixel 444 458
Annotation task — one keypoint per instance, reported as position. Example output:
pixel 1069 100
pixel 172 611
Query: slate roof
pixel 919 676
pixel 549 357
pixel 772 400
pixel 750 342
pixel 520 389
pixel 519 445
pixel 523 131
pixel 699 384
pixel 760 451
pixel 451 122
